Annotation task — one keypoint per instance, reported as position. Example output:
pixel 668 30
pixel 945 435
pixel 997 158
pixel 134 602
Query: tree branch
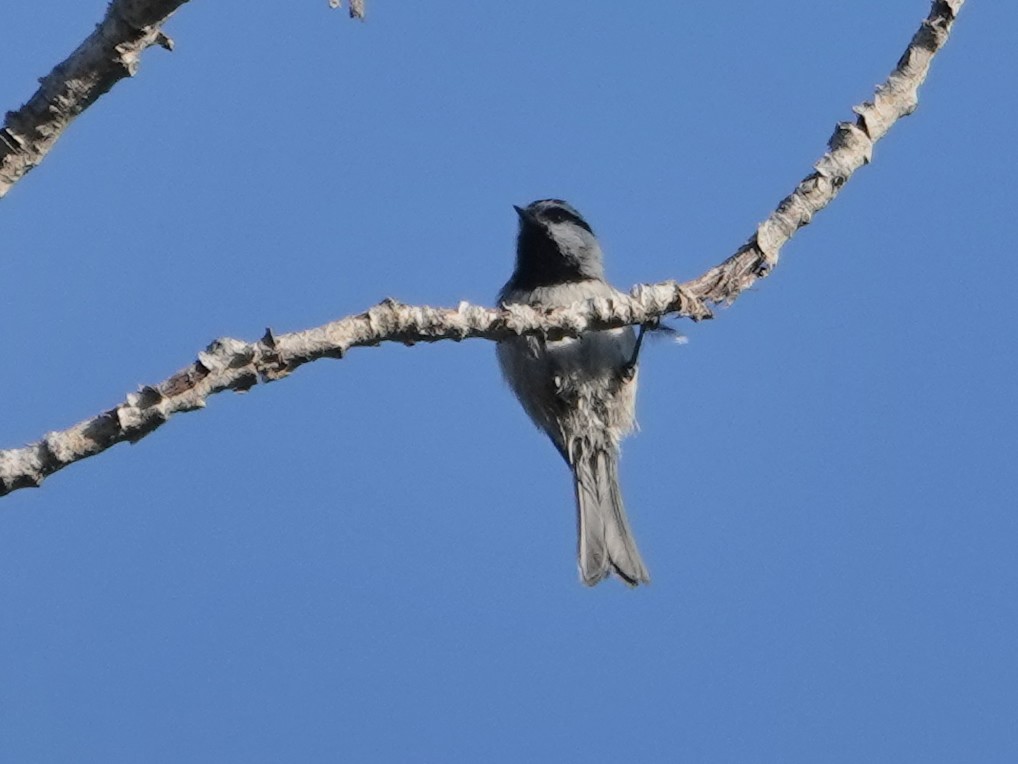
pixel 356 7
pixel 108 55
pixel 850 147
pixel 112 52
pixel 229 364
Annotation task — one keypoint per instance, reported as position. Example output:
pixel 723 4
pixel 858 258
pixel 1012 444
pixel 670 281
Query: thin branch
pixel 356 7
pixel 850 147
pixel 229 364
pixel 112 52
pixel 108 55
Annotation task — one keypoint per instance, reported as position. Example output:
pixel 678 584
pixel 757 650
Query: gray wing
pixel 530 373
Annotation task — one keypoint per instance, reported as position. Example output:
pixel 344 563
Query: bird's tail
pixel 606 543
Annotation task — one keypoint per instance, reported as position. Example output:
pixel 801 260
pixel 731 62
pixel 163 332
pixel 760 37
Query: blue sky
pixel 373 560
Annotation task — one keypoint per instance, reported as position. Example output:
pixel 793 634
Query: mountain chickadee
pixel 580 391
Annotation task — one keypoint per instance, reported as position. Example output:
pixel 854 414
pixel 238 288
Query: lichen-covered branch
pixel 850 148
pixel 111 53
pixel 356 7
pixel 229 364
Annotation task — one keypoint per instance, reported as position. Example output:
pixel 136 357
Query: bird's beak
pixel 525 216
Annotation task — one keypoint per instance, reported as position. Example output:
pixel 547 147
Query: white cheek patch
pixel 568 237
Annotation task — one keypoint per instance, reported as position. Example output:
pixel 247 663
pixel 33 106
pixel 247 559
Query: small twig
pixel 356 7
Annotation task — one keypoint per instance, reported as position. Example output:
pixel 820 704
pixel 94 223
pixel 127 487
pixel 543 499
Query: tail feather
pixel 606 542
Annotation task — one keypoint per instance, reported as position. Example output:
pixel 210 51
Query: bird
pixel 581 391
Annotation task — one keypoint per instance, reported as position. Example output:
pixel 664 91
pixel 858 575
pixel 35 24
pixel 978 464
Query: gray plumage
pixel 580 391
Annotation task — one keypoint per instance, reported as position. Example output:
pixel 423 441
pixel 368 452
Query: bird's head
pixel 555 245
